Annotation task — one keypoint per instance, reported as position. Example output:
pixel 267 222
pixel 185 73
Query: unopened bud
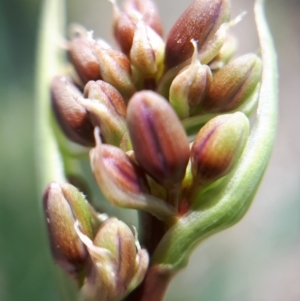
pixel 218 146
pixel 225 54
pixel 63 205
pixel 158 138
pixel 71 116
pixel 233 84
pixel 115 69
pixel 107 110
pixel 123 182
pixel 82 56
pixel 118 262
pixel 190 86
pixel 115 236
pixel 112 125
pixel 200 22
pixel 147 51
pixel 148 11
pixel 124 28
pixel 125 23
pixel 106 94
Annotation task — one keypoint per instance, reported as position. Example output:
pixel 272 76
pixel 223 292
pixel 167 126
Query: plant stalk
pixel 154 286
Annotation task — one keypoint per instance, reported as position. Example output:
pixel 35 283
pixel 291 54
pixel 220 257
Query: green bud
pixel 200 22
pixel 158 138
pixel 212 47
pixel 123 182
pixel 190 86
pixel 63 205
pixel 147 51
pixel 115 68
pixel 225 54
pixel 118 262
pixel 233 84
pixel 70 114
pixel 78 180
pixel 218 146
pixel 82 56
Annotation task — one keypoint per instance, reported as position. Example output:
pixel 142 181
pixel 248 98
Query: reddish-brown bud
pixel 148 11
pixel 115 68
pixel 122 181
pixel 124 28
pixel 200 22
pixel 106 94
pixel 63 205
pixel 71 116
pixel 82 56
pixel 107 110
pixel 233 84
pixel 118 264
pixel 158 138
pixel 116 236
pixel 127 175
pixel 125 23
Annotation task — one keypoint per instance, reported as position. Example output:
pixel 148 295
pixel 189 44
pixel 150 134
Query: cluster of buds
pixel 102 254
pixel 133 107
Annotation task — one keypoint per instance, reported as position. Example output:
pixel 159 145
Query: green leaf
pixel 231 200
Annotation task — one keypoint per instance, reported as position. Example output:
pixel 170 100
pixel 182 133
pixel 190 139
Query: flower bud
pixel 123 182
pixel 158 139
pixel 107 110
pixel 218 146
pixel 200 22
pixel 147 51
pixel 212 47
pixel 115 236
pixel 63 205
pixel 125 22
pixel 82 56
pixel 190 86
pixel 124 28
pixel 112 125
pixel 118 262
pixel 225 54
pixel 107 94
pixel 233 84
pixel 148 11
pixel 71 115
pixel 115 69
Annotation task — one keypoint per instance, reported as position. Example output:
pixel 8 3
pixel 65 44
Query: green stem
pixel 49 61
pixel 49 163
pixel 232 199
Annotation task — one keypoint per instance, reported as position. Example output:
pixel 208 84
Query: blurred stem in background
pixel 24 263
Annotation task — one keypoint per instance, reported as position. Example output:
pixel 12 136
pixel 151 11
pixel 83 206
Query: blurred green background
pixel 256 260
